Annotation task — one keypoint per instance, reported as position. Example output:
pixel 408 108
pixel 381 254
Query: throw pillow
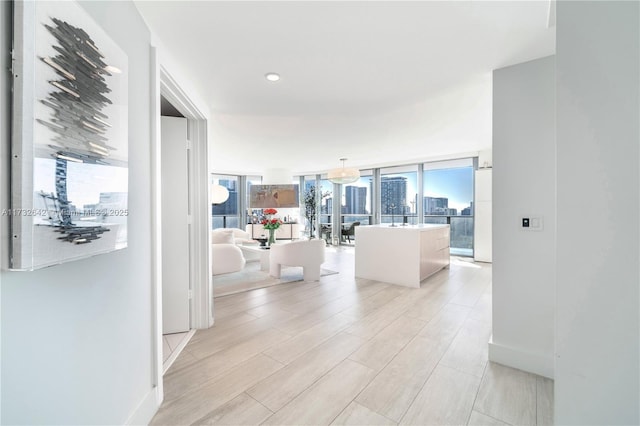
pixel 223 237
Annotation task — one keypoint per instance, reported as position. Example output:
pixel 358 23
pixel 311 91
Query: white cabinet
pixel 483 216
pixel 287 231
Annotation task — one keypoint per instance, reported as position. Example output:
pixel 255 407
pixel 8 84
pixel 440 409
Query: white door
pixel 175 226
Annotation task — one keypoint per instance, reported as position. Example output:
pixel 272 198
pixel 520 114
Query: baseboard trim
pixel 147 408
pixel 511 357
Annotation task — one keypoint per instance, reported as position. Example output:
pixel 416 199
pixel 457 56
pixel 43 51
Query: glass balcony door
pixel 356 206
pixel 398 195
pixel 448 198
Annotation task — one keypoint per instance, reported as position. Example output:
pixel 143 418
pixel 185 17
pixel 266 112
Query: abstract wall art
pixel 265 196
pixel 69 165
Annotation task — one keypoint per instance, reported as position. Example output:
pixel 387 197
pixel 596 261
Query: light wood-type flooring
pixel 353 351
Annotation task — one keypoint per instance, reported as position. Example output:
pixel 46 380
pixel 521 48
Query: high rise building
pixel 393 191
pixel 327 208
pixel 436 205
pixel 467 211
pixel 355 200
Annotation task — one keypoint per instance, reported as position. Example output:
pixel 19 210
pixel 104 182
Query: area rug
pixel 251 277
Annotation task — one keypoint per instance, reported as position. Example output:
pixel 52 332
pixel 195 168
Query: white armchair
pixel 306 253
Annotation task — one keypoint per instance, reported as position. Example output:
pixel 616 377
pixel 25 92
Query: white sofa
pixel 226 257
pixel 240 237
pixel 306 253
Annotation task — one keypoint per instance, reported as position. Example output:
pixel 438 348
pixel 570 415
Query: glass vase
pixel 272 237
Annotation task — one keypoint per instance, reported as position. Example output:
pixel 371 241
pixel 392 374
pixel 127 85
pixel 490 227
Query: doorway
pixel 176 282
pixel 195 263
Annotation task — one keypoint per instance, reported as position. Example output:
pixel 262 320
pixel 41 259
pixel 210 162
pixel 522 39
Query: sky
pixel 456 184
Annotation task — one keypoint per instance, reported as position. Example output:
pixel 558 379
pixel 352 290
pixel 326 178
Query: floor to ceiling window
pixel 356 206
pixel 309 208
pixel 326 202
pixel 448 198
pixel 446 188
pixel 225 215
pixel 398 195
pixel 253 215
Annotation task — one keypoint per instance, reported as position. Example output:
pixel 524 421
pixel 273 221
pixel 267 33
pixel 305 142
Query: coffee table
pixel 253 251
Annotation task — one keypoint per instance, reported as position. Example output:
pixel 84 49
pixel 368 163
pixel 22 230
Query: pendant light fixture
pixel 343 174
pixel 219 194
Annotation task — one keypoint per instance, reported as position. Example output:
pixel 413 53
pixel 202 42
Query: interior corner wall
pixel 524 186
pixel 598 138
pixel 76 338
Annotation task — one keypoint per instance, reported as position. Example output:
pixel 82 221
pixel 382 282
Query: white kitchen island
pixel 403 255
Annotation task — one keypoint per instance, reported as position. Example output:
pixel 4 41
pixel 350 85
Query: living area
pixel 257 219
pixel 240 263
pixel 277 243
pixel 546 91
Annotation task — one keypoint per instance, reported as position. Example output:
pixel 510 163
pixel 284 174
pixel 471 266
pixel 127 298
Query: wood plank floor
pixel 352 351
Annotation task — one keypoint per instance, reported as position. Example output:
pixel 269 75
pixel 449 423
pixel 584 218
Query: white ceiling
pixel 377 82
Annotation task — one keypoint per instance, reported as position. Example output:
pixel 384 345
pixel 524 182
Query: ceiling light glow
pixel 272 76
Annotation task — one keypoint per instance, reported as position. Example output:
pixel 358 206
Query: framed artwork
pixel 69 165
pixel 273 196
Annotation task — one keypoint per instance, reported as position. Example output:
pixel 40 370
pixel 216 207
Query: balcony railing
pixel 225 221
pixel 461 239
pixel 364 219
pixel 398 219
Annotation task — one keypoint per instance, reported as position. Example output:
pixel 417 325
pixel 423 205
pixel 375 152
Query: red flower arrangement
pixel 270 223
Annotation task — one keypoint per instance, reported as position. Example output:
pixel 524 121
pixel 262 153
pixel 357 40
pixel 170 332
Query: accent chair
pixel 306 253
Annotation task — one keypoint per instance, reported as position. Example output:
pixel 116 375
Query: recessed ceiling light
pixel 272 76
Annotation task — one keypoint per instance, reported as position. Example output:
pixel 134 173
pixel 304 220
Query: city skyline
pixel 456 184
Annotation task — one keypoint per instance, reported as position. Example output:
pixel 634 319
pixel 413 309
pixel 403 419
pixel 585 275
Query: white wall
pixel 76 338
pixel 598 109
pixel 523 185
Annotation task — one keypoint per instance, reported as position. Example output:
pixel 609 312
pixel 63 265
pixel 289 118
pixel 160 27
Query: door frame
pixel 199 212
pixel 201 283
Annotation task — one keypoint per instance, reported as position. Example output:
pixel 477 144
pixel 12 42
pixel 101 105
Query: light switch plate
pixel 534 222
